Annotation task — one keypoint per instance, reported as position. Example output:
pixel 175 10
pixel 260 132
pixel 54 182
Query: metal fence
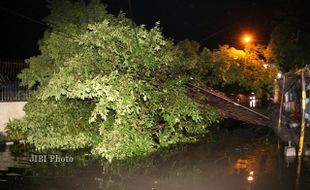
pixel 10 89
pixel 15 92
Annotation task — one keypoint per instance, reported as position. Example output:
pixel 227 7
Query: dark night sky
pixel 210 22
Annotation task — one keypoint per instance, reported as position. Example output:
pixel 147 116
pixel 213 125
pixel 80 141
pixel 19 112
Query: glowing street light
pixel 247 39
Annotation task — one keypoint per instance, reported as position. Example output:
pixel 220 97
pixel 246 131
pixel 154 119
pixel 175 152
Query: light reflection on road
pixel 238 160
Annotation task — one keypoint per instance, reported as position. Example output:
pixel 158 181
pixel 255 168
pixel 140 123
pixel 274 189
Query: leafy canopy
pixel 290 38
pixel 109 85
pixel 251 69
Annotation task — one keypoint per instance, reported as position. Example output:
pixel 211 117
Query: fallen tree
pixel 107 84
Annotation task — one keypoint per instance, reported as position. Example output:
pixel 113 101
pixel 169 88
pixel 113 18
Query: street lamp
pixel 247 39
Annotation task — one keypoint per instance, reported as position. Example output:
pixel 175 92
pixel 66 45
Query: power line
pixel 216 33
pixel 23 16
pixel 33 20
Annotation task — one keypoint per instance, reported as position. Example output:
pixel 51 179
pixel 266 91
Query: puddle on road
pixel 237 160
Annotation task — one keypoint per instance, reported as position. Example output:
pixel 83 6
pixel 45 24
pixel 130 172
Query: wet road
pixel 244 158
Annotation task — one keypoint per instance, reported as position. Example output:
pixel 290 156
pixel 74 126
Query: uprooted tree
pixel 109 85
pixel 118 88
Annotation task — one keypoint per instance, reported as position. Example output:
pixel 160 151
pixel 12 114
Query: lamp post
pixel 247 39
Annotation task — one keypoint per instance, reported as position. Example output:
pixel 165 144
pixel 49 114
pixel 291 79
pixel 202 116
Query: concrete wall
pixel 10 110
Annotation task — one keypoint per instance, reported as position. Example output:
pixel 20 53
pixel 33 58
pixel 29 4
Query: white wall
pixel 10 110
